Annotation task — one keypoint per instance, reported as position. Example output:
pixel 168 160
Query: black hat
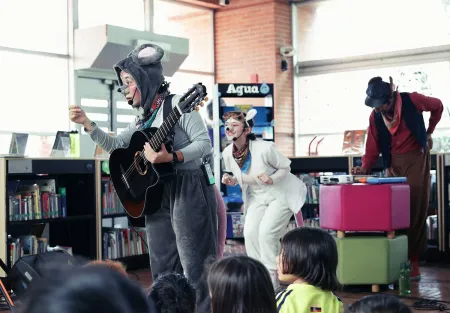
pixel 378 93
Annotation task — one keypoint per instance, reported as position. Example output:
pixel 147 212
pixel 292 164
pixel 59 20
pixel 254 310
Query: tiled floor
pixel 434 285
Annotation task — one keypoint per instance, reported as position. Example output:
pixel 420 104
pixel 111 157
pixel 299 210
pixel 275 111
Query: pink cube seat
pixel 364 207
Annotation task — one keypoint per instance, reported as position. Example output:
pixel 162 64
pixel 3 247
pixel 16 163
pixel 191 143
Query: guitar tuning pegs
pixel 206 99
pixel 196 108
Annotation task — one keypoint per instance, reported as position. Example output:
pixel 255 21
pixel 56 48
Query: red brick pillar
pixel 248 36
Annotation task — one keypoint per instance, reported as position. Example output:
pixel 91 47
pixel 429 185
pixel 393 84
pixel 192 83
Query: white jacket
pixel 289 190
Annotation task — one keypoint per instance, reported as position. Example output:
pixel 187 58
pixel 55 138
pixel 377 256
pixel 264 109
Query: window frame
pixel 347 64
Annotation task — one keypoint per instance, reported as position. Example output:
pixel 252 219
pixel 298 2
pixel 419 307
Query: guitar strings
pixel 141 156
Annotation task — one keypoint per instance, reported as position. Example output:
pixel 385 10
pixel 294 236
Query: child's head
pixel 115 265
pixel 87 289
pixel 309 254
pixel 379 303
pixel 172 293
pixel 240 284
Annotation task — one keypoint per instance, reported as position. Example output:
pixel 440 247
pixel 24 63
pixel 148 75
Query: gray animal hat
pixel 144 64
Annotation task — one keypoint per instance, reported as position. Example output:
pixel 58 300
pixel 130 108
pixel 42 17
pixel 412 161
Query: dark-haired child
pixel 240 284
pixel 87 289
pixel 378 304
pixel 308 261
pixel 172 293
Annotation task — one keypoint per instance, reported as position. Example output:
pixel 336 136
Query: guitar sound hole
pixel 139 164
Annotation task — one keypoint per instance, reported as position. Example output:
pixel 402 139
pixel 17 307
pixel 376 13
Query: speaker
pixel 30 268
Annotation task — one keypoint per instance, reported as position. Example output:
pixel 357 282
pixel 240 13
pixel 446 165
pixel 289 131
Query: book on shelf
pixel 110 201
pixel 36 200
pixel 235 225
pixel 311 182
pixel 312 222
pixel 291 225
pixel 124 242
pixel 26 245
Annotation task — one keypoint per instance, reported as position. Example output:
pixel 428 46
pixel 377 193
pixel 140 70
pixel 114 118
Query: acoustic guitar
pixel 138 182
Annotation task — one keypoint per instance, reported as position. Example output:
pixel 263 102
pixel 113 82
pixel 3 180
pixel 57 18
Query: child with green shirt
pixel 308 261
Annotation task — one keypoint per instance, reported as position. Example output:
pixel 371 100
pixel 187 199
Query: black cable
pixel 430 305
pixel 419 299
pixel 134 229
pixel 419 304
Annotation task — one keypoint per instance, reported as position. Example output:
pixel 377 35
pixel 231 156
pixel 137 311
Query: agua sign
pixel 245 90
pixel 240 90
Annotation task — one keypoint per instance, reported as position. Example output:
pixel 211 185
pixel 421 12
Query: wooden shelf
pixel 317 164
pixel 115 215
pixel 53 220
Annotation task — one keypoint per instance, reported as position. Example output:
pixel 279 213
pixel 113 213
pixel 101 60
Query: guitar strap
pixel 167 108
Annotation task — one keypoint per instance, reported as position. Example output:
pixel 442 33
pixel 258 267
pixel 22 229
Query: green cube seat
pixel 371 260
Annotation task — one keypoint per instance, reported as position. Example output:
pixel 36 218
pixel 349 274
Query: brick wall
pixel 196 26
pixel 248 36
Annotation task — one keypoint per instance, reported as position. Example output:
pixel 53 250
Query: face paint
pixel 129 90
pixel 233 128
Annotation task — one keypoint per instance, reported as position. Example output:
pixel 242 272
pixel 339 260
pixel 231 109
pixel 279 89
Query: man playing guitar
pixel 182 235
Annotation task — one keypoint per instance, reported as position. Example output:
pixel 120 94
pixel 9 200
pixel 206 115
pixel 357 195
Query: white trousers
pixel 266 221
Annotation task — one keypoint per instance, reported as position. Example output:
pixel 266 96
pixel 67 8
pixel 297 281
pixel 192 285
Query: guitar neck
pixel 165 128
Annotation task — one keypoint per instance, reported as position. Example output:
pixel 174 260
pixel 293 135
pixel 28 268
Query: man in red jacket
pixel 397 131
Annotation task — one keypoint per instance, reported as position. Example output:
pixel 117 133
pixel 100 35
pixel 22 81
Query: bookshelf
pixel 34 216
pixel 90 212
pixel 47 203
pixel 118 241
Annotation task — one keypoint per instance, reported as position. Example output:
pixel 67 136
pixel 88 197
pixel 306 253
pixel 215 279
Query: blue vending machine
pixel 239 97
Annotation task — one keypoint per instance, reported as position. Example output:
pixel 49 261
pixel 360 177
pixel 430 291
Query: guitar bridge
pixel 125 181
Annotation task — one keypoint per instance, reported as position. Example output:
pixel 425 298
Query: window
pixel 326 28
pixel 181 82
pixel 331 103
pixel 35 93
pixel 129 14
pixel 193 23
pixel 34 25
pixel 325 145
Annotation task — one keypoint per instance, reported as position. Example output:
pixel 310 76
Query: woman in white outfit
pixel 271 194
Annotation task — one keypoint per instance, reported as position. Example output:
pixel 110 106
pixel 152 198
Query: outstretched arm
pixel 110 143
